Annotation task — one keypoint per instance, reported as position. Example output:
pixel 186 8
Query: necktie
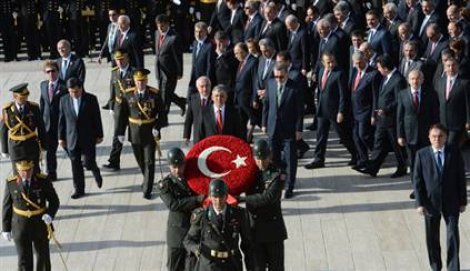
pixel 292 37
pixel 439 162
pixel 266 67
pixel 371 35
pixel 448 88
pixel 76 106
pixel 219 121
pixel 220 221
pixel 416 100
pixel 63 69
pixel 322 46
pixel 279 95
pixel 51 91
pixel 21 109
pixel 240 67
pixel 324 79
pixel 162 38
pixel 121 39
pixel 248 23
pixel 357 80
pixel 433 47
pixel 111 38
pixel 203 102
pixel 198 48
pixel 406 68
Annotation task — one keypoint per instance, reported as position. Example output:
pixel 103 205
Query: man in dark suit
pixel 417 110
pixel 436 43
pixel 441 190
pixel 343 15
pixel 298 46
pixel 70 65
pixel 109 44
pixel 404 35
pixel 245 84
pixel 327 42
pixel 273 28
pixel 440 71
pixel 429 15
pixel 410 59
pixel 333 109
pixel 220 118
pixel 52 91
pixel 80 130
pixel 203 57
pixel 454 104
pixel 391 22
pixel 29 10
pixel 364 85
pixel 129 40
pixel 168 64
pixel 254 20
pixel 236 28
pixel 226 64
pixel 121 80
pixel 7 30
pixel 378 36
pixel 196 105
pixel 282 120
pixel 220 19
pixel 78 25
pixel 51 18
pixel 385 120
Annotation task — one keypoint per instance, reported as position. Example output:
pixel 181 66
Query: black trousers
pixel 456 137
pixel 34 234
pixel 432 224
pixel 54 30
pixel 284 153
pixel 363 139
pixel 386 136
pixel 79 159
pixel 167 85
pixel 323 130
pixel 31 34
pixel 411 150
pixel 116 147
pixel 51 155
pixel 8 36
pixel 145 156
pixel 269 256
pixel 176 259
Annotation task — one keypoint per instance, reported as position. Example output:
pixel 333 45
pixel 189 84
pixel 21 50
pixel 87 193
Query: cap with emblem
pixel 175 156
pixel 218 188
pixel 21 89
pixel 24 165
pixel 141 74
pixel 120 54
pixel 261 149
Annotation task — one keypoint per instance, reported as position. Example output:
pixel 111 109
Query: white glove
pixel 60 9
pixel 14 14
pixel 191 10
pixel 47 219
pixel 198 15
pixel 155 132
pixel 5 155
pixel 120 138
pixel 293 6
pixel 111 112
pixel 176 2
pixel 6 236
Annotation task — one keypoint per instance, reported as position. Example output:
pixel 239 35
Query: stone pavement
pixel 338 220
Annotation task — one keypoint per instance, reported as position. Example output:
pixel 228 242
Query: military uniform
pixel 180 200
pixel 7 23
pixel 217 242
pixel 142 115
pixel 263 204
pixel 120 82
pixel 78 26
pixel 29 11
pixel 51 18
pixel 23 207
pixel 23 135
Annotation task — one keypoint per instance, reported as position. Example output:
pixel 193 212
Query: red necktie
pixel 324 79
pixel 121 39
pixel 415 100
pixel 356 81
pixel 162 37
pixel 203 102
pixel 51 91
pixel 219 121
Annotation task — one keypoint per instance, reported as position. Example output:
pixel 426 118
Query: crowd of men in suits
pixel 381 74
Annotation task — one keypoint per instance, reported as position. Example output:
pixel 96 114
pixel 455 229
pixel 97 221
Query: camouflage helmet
pixel 261 149
pixel 218 188
pixel 175 156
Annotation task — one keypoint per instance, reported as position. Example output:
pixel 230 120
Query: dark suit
pixel 421 30
pixel 220 19
pixel 381 41
pixel 414 64
pixel 80 134
pixel 361 105
pixel 454 112
pixel 441 193
pixel 333 99
pixel 282 120
pixel 413 122
pixel 202 64
pixel 51 18
pixel 349 25
pixel 331 44
pixel 75 68
pixel 253 27
pixel 225 67
pixel 231 124
pixel 245 84
pixel 168 66
pixel 133 45
pixel 193 116
pixel 276 31
pixel 299 49
pixel 236 27
pixel 385 132
pixel 109 44
pixel 50 115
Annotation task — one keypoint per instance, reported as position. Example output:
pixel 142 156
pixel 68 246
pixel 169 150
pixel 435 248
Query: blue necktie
pixel 439 162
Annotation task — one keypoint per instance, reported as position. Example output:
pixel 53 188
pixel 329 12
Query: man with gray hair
pixel 253 21
pixel 197 103
pixel 298 44
pixel 273 28
pixel 128 40
pixel 70 65
pixel 342 14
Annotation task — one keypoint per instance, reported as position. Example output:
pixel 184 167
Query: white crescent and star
pixel 202 162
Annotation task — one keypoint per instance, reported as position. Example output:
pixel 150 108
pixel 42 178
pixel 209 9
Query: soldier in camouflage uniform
pixel 22 130
pixel 263 203
pixel 181 201
pixel 215 233
pixel 29 205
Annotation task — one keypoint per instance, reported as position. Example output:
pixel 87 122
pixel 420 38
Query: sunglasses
pixel 50 71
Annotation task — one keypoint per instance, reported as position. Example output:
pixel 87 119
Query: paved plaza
pixel 338 220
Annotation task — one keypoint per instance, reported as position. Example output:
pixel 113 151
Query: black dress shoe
pixel 77 195
pixel 368 171
pixel 399 173
pixel 105 107
pixel 148 196
pixel 111 167
pixel 52 176
pixel 315 164
pixel 312 127
pixel 98 178
pixel 288 194
pixel 352 162
pixel 412 195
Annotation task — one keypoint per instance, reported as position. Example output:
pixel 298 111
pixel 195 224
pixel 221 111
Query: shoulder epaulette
pixel 115 68
pixel 5 106
pixel 130 89
pixel 154 90
pixel 12 178
pixel 41 175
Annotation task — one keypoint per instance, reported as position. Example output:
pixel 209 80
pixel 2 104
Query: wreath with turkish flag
pixel 220 156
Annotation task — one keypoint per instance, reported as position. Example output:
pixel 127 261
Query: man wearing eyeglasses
pixel 52 89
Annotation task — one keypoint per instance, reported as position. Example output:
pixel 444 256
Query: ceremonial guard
pixel 79 28
pixel 7 23
pixel 142 110
pixel 181 201
pixel 29 205
pixel 29 11
pixel 215 233
pixel 121 80
pixel 263 203
pixel 23 135
pixel 52 12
